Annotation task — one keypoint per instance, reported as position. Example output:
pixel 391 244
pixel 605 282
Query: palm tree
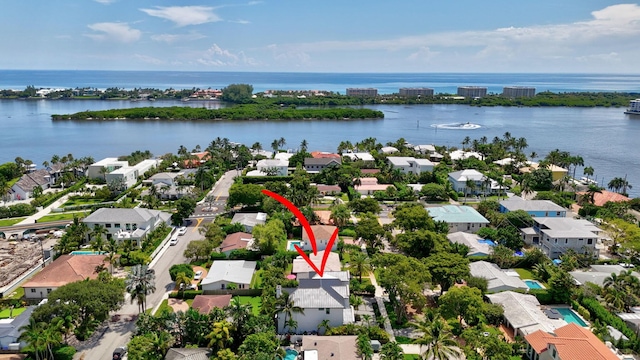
pixel 465 142
pixel 34 335
pixel 438 340
pixel 285 304
pixel 140 282
pixel 112 256
pixel 391 351
pixel 275 146
pixel 360 264
pixel 588 171
pixel 592 191
pixel 304 145
pixel 183 281
pixel 282 142
pixel 239 312
pixel 619 185
pixel 220 335
pixel 340 214
pixel 470 186
pixel 324 324
pixel 96 234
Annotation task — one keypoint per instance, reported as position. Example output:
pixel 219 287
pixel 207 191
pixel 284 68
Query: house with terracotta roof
pixel 64 270
pixel 369 185
pixel 205 303
pixel 570 342
pixel 236 241
pixel 324 155
pixel 196 159
pixel 599 199
pixel 322 234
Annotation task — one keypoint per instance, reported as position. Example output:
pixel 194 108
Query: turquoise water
pixel 533 284
pixel 87 252
pixel 291 243
pixel 570 316
pixel 291 354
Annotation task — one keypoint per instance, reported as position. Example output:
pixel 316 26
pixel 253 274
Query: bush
pixel 370 289
pixel 542 295
pixel 584 313
pixel 347 232
pixel 17 210
pixel 244 254
pixel 174 270
pixel 64 353
pixel 218 256
pixel 598 312
pixel 188 294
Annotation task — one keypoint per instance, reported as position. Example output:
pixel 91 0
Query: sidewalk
pixel 46 211
pixel 379 294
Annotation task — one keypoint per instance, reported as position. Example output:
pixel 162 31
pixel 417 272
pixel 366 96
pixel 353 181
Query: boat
pixel 634 107
pixel 457 126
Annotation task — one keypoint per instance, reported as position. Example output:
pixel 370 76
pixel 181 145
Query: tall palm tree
pixel 96 234
pixel 275 146
pixel 592 191
pixel 340 214
pixel 304 145
pixel 285 304
pixel 588 171
pixel 470 186
pixel 34 335
pixel 360 264
pixel 282 142
pixel 239 312
pixel 391 351
pixel 112 256
pixel 140 282
pixel 183 281
pixel 438 340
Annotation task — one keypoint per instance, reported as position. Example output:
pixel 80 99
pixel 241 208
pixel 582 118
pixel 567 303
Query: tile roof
pixel 606 196
pixel 324 155
pixel 572 342
pixel 67 269
pixel 188 354
pixel 28 181
pixel 239 240
pixel 235 271
pixel 319 232
pixel 205 303
pixel 333 263
pixel 332 347
pixel 369 171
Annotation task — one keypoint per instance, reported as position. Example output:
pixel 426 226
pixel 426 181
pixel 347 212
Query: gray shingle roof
pixel 236 271
pixel 137 215
pixel 28 181
pixel 13 331
pixel 330 291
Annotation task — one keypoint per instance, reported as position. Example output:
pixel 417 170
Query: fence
pixel 237 292
pixel 20 279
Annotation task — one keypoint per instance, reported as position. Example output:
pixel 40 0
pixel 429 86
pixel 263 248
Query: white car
pixel 182 230
pixel 198 275
pixel 173 241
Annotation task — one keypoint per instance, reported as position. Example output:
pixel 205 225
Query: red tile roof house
pixel 570 342
pixel 599 199
pixel 370 185
pixel 205 303
pixel 64 270
pixel 322 234
pixel 236 241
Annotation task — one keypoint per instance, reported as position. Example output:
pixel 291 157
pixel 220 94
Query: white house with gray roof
pixel 481 184
pixel 10 330
pixel 523 314
pixel 321 298
pixel 225 272
pixel 410 164
pixel 498 280
pixel 273 167
pixel 459 218
pixel 477 245
pixel 555 235
pixel 249 220
pixel 597 274
pixel 123 224
pixel 535 208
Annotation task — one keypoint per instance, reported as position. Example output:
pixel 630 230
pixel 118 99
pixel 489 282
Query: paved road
pixel 119 333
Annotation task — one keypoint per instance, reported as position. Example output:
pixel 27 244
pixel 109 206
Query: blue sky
pixel 592 36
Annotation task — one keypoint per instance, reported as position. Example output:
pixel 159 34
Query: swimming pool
pixel 570 317
pixel 290 244
pixel 532 284
pixel 291 354
pixel 82 252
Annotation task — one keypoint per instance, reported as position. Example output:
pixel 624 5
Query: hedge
pixel 264 179
pixel 188 294
pixel 48 199
pixel 597 311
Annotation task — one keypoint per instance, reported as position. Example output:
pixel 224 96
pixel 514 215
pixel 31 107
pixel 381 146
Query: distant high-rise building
pixel 518 91
pixel 416 92
pixel 362 92
pixel 472 91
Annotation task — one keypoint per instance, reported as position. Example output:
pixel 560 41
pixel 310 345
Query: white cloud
pixel 254 2
pixel 106 2
pixel 240 21
pixel 171 38
pixel 184 15
pixel 217 56
pixel 120 32
pixel 424 54
pixel 148 59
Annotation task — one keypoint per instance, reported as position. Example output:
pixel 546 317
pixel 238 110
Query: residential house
pixel 236 241
pixel 555 235
pixel 320 298
pixel 23 188
pixel 498 280
pixel 388 150
pixel 462 155
pixel 570 342
pixel 425 149
pixel 285 156
pixel 188 354
pixel 368 186
pixel 361 156
pixel 273 167
pixel 225 272
pixel 10 330
pixel 557 172
pixel 123 224
pixel 597 274
pixel 523 314
pixel 316 165
pixel 197 159
pixel 341 347
pixel 165 178
pixel 249 220
pixel 100 169
pixel 410 164
pixel 325 190
pixel 167 185
pixel 481 183
pixel 205 303
pixel 322 234
pixel 477 245
pixel 535 208
pixel 129 175
pixel 64 270
pixel 459 218
pixel 603 197
pixel 324 155
pixel 333 264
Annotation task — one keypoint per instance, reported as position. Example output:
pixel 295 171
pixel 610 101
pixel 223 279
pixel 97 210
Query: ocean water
pixel 605 137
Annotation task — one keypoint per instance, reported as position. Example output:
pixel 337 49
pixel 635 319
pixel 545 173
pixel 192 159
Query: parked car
pixel 173 241
pixel 119 352
pixel 182 230
pixel 198 275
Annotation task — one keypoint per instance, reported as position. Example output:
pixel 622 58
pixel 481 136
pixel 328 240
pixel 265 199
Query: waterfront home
pixel 424 149
pixel 459 218
pixel 273 167
pixel 554 236
pixel 603 197
pixel 321 298
pixel 225 272
pixel 205 303
pixel 368 186
pixel 44 178
pixel 535 208
pixel 570 342
pixel 481 183
pixel 249 220
pixel 388 150
pixel 64 270
pixel 461 155
pixel 236 241
pixel 301 266
pixel 197 159
pixel 112 169
pixel 324 155
pixel 523 314
pixel 100 169
pixel 322 234
pixel 410 164
pixel 497 279
pixel 316 165
pixel 362 156
pixel 127 224
pixel 557 172
pixel 477 245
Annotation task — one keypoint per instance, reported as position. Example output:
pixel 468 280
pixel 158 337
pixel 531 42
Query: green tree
pixel 340 214
pixel 185 206
pixel 420 243
pixel 463 303
pixel 140 282
pixel 198 249
pixel 286 306
pixel 365 205
pixel 561 285
pixel 269 236
pixel 220 336
pixel 391 351
pixel 259 344
pixel 363 346
pixel 411 217
pixel 183 281
pixel 438 341
pixel 237 93
pixel 359 264
pixel 245 195
pixel 434 192
pixel 369 229
pixel 181 268
pixel 446 268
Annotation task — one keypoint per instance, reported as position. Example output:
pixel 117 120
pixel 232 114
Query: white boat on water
pixel 457 126
pixel 634 107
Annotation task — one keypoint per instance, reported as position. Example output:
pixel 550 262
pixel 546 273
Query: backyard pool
pixel 84 252
pixel 570 317
pixel 291 354
pixel 291 243
pixel 532 284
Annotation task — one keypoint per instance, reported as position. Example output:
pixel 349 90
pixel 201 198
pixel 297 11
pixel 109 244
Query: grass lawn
pixel 411 357
pixel 254 301
pixel 9 222
pixel 17 294
pixel 65 216
pixel 525 273
pixel 82 201
pixel 404 340
pixel 256 280
pixel 4 314
pixel 164 305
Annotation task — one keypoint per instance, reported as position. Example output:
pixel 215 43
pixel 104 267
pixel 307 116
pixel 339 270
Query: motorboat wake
pixel 457 126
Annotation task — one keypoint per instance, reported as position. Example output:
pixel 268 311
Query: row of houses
pixel 464 91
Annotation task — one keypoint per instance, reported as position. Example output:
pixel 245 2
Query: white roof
pixel 459 154
pixel 235 271
pixel 388 149
pixel 333 263
pixel 265 163
pixel 406 160
pixel 558 227
pixel 517 203
pixel 429 148
pixel 467 174
pixel 471 240
pixel 523 312
pixel 284 156
pixel 498 279
pixel 598 273
pixel 360 156
pixel 110 161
